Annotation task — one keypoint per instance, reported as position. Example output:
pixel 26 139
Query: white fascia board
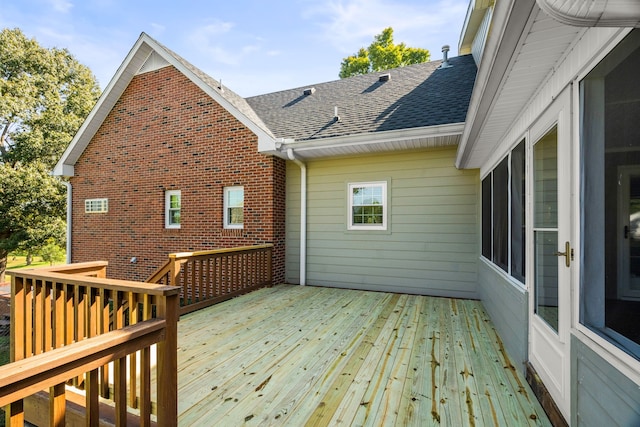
pixel 507 26
pixel 308 147
pixel 125 73
pixel 123 76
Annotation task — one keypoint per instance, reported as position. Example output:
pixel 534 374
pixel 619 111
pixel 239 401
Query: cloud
pixel 222 43
pixel 63 6
pixel 349 24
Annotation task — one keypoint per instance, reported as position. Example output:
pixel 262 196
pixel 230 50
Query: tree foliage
pixel 382 54
pixel 45 94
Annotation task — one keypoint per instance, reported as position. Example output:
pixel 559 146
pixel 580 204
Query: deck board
pixel 302 355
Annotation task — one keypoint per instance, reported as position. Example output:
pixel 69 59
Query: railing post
pixel 18 313
pixel 175 270
pixel 168 362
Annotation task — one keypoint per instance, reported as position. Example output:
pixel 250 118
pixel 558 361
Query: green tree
pixel 45 94
pixel 382 54
pixel 52 252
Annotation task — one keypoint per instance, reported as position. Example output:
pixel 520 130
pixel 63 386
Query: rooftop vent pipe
pixel 445 57
pixel 309 91
pixel 384 77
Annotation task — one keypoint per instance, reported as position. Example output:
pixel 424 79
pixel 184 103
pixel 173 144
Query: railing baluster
pixel 133 381
pixel 51 312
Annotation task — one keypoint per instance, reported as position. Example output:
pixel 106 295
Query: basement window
pixel 368 206
pixel 96 205
pixel 172 209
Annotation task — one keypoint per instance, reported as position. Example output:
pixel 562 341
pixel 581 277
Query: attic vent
pixel 384 77
pixel 310 91
pixel 153 62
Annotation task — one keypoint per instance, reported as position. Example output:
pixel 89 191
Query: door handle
pixel 626 231
pixel 567 254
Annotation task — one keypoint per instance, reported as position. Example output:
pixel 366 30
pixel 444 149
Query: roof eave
pixel 374 142
pixel 508 22
pixel 137 56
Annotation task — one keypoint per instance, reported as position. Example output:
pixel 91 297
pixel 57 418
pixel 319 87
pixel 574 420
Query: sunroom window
pixel 610 217
pixel 503 202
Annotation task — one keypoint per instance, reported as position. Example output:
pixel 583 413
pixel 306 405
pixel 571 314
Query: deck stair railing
pixel 68 324
pixel 209 277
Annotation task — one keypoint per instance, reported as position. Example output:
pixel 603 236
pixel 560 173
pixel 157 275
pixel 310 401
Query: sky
pixel 253 46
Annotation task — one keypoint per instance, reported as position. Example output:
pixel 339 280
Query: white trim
pixel 227 223
pixel 430 136
pixel 136 58
pixel 167 208
pixel 385 206
pixel 628 365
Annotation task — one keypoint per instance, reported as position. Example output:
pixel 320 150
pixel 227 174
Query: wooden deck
pixel 293 355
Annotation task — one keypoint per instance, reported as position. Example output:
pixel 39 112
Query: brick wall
pixel 166 134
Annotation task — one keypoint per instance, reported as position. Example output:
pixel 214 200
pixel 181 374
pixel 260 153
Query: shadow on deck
pixel 293 355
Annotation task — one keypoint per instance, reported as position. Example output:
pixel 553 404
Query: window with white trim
pixel 234 207
pixel 368 206
pixel 172 209
pixel 96 205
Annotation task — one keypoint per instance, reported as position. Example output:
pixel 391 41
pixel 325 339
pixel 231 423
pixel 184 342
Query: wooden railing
pixel 209 277
pixel 68 323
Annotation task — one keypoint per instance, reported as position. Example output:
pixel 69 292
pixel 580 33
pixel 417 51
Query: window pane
pixel 236 216
pixel 610 280
pixel 174 217
pixel 486 217
pixel 546 276
pixel 545 153
pixel 174 202
pixel 501 215
pixel 518 212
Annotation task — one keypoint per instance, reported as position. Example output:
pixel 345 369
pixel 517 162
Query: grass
pixel 16 262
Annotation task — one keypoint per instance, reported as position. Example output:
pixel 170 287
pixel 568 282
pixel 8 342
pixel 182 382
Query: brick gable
pixel 164 133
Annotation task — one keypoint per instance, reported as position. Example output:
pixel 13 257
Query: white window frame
pixel 96 205
pixel 227 223
pixel 168 209
pixel 385 210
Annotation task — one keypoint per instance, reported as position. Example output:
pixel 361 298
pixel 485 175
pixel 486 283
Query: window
pixel 234 207
pixel 172 209
pixel 503 202
pixel 96 205
pixel 610 208
pixel 367 206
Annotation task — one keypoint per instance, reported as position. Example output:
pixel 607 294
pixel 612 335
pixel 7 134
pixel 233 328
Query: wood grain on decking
pixel 292 355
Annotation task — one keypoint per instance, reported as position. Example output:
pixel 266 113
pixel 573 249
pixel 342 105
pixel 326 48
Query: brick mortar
pixel 165 133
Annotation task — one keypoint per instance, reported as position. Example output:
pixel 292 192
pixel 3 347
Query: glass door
pixel 550 251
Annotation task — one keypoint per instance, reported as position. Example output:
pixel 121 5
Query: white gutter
pixel 69 211
pixel 593 13
pixel 303 215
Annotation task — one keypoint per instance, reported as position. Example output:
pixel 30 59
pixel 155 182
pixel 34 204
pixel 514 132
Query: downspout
pixel 303 215
pixel 69 210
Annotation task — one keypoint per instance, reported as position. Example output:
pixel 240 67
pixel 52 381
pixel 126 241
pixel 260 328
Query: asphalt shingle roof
pixel 415 96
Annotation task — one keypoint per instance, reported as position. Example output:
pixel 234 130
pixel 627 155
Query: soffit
pixel 543 44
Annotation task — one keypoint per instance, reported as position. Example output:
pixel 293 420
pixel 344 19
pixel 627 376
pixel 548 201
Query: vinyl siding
pixel 604 396
pixel 430 246
pixel 507 304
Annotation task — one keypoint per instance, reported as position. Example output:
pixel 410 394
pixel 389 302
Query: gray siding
pixel 431 245
pixel 602 395
pixel 507 304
